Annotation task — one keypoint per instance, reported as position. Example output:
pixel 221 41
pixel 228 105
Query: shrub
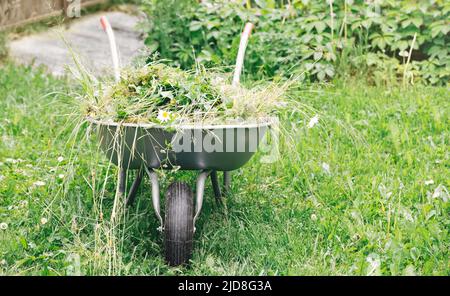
pixel 321 37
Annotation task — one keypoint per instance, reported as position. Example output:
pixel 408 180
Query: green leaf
pixel 212 24
pixel 318 55
pixel 195 26
pixel 205 56
pixel 153 46
pixel 268 4
pixel 401 45
pixel 321 75
pixel 329 71
pixel 372 59
pixel 320 26
pixel 309 66
pixel 417 21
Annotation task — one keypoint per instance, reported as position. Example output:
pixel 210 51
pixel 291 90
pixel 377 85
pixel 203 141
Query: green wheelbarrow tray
pixel 189 147
pixel 206 148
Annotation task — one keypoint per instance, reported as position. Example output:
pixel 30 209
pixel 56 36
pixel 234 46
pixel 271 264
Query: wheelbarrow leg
pixel 133 190
pixel 200 190
pixel 226 181
pixel 122 181
pixel 155 195
pixel 216 187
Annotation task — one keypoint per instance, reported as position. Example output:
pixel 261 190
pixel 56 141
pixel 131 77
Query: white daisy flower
pixel 39 183
pixel 3 226
pixel 61 176
pixel 163 116
pixel 374 264
pixel 44 220
pixel 313 121
pixel 60 159
pixel 326 168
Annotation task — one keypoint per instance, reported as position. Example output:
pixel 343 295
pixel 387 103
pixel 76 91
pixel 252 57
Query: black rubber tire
pixel 178 224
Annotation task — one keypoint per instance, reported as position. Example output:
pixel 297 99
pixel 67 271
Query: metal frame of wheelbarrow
pixel 156 198
pixel 143 148
pixel 127 137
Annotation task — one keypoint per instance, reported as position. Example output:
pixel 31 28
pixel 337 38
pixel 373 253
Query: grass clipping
pixel 163 95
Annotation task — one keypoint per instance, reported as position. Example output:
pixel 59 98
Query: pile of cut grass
pixel 160 94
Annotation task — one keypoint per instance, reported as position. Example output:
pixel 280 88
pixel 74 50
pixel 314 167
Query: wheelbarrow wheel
pixel 178 225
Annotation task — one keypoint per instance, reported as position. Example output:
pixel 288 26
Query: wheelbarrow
pixel 144 147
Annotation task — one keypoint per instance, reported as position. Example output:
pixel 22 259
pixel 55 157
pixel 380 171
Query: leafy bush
pixel 321 37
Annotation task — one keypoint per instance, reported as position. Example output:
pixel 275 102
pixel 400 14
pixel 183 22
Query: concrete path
pixel 87 39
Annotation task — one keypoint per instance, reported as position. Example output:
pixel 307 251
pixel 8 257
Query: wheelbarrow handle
pixel 241 53
pixel 113 46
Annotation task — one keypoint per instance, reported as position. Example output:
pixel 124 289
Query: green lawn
pixel 365 191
